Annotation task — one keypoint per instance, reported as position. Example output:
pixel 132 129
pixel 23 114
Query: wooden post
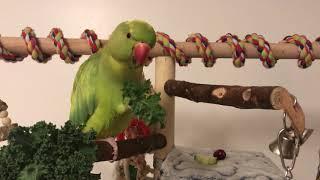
pixel 165 70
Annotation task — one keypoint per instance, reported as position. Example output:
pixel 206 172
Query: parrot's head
pixel 131 42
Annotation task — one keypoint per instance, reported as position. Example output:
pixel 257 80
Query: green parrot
pixel 97 101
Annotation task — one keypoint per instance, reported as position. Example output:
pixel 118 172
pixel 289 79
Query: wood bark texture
pixel 250 97
pixel 130 147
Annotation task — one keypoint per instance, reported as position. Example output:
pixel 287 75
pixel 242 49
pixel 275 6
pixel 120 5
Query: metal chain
pixel 318 173
pixel 288 169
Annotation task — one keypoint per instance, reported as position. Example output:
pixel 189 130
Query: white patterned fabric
pixel 238 165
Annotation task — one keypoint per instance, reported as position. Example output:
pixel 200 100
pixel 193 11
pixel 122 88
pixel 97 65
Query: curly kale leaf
pixel 45 152
pixel 143 102
pixel 32 172
pixel 13 158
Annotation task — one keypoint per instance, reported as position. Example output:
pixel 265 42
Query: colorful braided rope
pixel 8 56
pixel 92 39
pixel 318 40
pixel 170 48
pixel 203 48
pixel 237 47
pixel 31 42
pixel 305 46
pixel 56 36
pixel 263 47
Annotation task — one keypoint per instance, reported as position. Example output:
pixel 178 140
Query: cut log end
pixel 275 97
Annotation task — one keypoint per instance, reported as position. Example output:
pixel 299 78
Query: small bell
pixel 287 145
pixel 287 140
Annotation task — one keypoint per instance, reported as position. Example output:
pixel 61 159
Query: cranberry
pixel 220 154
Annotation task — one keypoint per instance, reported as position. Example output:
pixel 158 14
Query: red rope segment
pixel 237 47
pixel 92 39
pixel 169 48
pixel 30 39
pixel 8 56
pixel 263 47
pixel 203 48
pixel 305 46
pixel 56 36
pixel 318 40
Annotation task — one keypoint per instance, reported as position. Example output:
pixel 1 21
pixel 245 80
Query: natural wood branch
pixel 3 106
pixel 130 147
pixel 5 130
pixel 253 97
pixel 17 46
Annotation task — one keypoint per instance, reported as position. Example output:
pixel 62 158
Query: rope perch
pixel 14 49
pixel 170 48
pixel 305 48
pixel 237 48
pixel 203 48
pixel 263 47
pixel 35 50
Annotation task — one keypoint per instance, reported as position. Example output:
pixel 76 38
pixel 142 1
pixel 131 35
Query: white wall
pixel 41 92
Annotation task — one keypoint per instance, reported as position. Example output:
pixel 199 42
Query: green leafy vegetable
pixel 44 152
pixel 32 172
pixel 143 102
pixel 133 172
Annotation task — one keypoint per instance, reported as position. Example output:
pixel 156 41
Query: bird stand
pixel 172 162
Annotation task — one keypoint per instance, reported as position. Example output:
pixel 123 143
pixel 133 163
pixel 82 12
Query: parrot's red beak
pixel 140 53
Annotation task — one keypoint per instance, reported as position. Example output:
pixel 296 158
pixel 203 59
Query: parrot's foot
pixel 114 145
pixel 122 108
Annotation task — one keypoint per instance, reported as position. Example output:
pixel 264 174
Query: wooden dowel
pixel 17 46
pixel 252 97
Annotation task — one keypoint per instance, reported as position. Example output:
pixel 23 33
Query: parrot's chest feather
pixel 120 71
pixel 110 84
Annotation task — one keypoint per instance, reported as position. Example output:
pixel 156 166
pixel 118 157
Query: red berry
pixel 120 137
pixel 220 154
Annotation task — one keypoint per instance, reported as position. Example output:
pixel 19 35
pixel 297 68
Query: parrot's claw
pixel 122 108
pixel 114 145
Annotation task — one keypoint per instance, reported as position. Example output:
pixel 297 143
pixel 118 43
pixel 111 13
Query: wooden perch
pixel 130 147
pixel 17 46
pixel 126 148
pixel 253 97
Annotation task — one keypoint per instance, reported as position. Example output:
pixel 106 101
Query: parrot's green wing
pixel 83 100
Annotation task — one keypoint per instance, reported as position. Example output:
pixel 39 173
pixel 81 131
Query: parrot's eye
pixel 129 35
